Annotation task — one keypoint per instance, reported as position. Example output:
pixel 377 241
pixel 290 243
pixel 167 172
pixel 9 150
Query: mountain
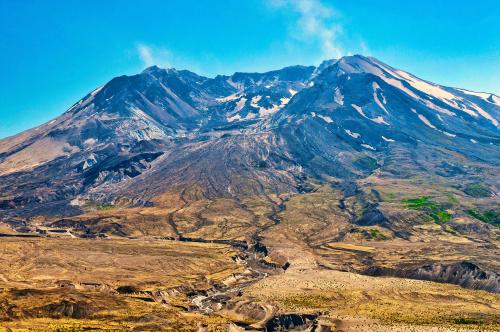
pixel 165 129
pixel 256 201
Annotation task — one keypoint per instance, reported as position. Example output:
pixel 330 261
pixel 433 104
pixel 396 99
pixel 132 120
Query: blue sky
pixel 54 52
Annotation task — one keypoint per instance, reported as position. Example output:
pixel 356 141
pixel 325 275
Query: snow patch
pixel 352 134
pixel 284 101
pixel 388 139
pixel 376 87
pixel 89 162
pixel 96 91
pixel 234 118
pixel 430 89
pixel 427 122
pixel 380 120
pixel 423 119
pixel 327 119
pixel 367 146
pixel 266 111
pixel 89 141
pixel 240 104
pixel 338 97
pixel 255 100
pixel 485 114
pixel 359 110
pixel 234 96
pixel 483 95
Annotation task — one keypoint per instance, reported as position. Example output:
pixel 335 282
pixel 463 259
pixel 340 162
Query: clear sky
pixel 53 52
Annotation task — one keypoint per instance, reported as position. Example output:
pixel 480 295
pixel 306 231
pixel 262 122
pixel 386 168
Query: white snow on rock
pixel 379 119
pixel 473 141
pixel 360 65
pixel 423 119
pixel 284 101
pixel 359 110
pixel 240 104
pixel 266 111
pixel 430 92
pixel 292 92
pixel 326 118
pixel 427 122
pixel 367 146
pixel 485 114
pixel 352 134
pixel 90 161
pixel 388 139
pixel 376 88
pixel 250 116
pixel 428 88
pixel 89 141
pixel 234 96
pixel 255 100
pixel 234 118
pixel 96 91
pixel 448 134
pixel 338 97
pixel 488 97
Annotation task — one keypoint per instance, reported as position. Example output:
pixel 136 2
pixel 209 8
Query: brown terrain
pixel 281 262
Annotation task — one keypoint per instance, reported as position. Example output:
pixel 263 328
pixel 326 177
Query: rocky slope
pixel 163 130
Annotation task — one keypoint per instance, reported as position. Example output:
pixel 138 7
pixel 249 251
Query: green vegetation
pixel 434 210
pixel 477 190
pixel 366 163
pixel 98 206
pixel 419 202
pixel 452 199
pixel 464 320
pixel 106 206
pixel 490 217
pixel 370 233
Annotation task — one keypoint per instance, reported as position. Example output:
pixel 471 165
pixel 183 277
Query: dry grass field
pixel 317 251
pixel 74 284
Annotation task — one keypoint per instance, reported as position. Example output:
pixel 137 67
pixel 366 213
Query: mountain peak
pixel 153 68
pixel 158 70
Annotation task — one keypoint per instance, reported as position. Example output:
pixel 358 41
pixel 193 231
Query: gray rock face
pixel 465 274
pixel 166 129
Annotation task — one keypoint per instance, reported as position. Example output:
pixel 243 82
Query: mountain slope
pixel 164 130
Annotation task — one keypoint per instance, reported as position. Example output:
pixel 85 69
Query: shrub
pixel 490 217
pixel 477 190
